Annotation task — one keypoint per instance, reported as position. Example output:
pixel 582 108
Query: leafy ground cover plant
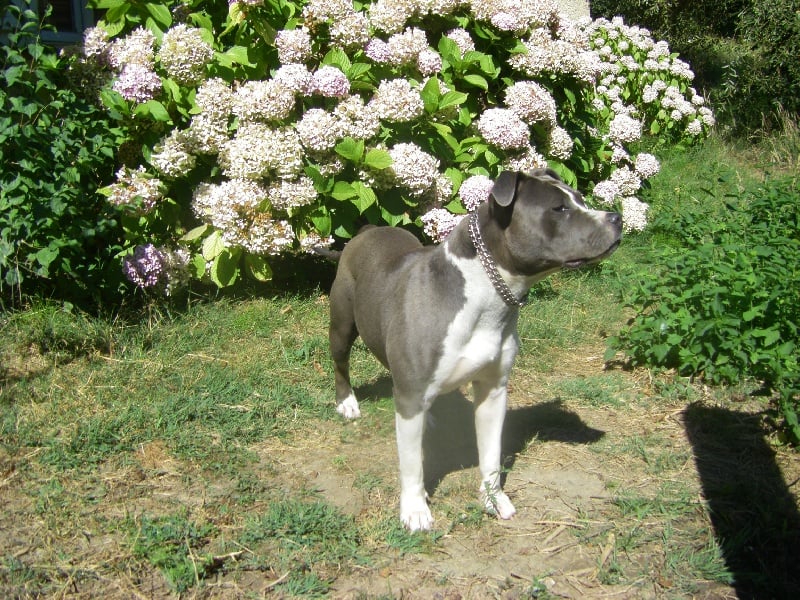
pixel 57 236
pixel 725 305
pixel 275 126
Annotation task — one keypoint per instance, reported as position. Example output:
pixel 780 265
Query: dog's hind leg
pixel 414 510
pixel 341 335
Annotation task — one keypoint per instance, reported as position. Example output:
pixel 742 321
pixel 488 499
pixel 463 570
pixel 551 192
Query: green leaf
pixel 377 159
pixel 452 99
pixel 322 221
pixel 430 95
pixel 350 149
pixel 356 70
pixel 225 268
pixel 338 58
pixel 343 190
pixel 194 234
pixel 235 55
pixel 257 267
pixel 160 14
pixel 197 266
pixel 477 81
pixel 107 3
pixel 213 246
pixel 449 50
pixel 365 196
pixel 45 256
pixel 153 109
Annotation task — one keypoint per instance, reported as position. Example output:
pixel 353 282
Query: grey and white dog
pixel 441 316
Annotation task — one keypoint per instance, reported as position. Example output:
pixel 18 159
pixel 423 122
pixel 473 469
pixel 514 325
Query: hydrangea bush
pixel 274 126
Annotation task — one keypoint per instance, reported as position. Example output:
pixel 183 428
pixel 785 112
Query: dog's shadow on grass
pixel 450 444
pixel 754 513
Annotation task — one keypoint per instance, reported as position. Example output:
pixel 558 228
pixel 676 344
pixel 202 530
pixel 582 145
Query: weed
pixel 169 543
pixel 601 390
pixel 307 538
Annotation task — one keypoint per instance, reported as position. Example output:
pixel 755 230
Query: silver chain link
pixel 489 265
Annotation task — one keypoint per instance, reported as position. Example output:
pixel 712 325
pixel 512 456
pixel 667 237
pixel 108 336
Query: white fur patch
pixel 496 502
pixel 348 408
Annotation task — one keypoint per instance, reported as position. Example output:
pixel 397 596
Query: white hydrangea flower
pixel 429 62
pixel 356 120
pixel 474 191
pixel 462 39
pixel 532 102
pixel 695 127
pixel 627 181
pixel 318 130
pixel 634 214
pixel 135 48
pixel 258 150
pixel 526 160
pixel 330 82
pixel 263 101
pixel 206 133
pixel 234 207
pixel 503 128
pixel 172 156
pixel 606 192
pixel 294 45
pixel 646 165
pixel 396 101
pixel 215 98
pixel 350 31
pixel 413 168
pixel 137 83
pixel 560 143
pixel 184 54
pixel 286 195
pixel 625 129
pixel 405 47
pixel 378 51
pixel 437 223
pixel 135 188
pixel 390 16
pixel 295 77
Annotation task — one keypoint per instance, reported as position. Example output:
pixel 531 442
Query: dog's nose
pixel 614 218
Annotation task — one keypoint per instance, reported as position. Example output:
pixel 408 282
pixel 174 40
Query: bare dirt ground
pixel 618 491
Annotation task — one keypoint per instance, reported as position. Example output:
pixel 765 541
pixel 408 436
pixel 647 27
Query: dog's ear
pixel 545 172
pixel 505 188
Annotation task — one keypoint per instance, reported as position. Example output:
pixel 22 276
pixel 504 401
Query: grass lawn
pixel 196 452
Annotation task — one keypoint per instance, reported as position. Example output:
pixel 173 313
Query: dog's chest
pixel 481 340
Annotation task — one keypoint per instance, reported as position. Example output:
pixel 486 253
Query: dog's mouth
pixel 583 262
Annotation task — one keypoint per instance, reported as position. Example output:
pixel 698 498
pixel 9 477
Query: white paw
pixel 416 515
pixel 348 408
pixel 497 503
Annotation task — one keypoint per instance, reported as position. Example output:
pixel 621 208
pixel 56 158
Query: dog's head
pixel 546 225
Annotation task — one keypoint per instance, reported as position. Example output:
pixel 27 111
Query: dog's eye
pixel 561 208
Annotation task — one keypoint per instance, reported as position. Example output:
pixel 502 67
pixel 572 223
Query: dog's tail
pixel 335 255
pixel 329 253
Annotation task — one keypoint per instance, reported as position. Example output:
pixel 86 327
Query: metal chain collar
pixel 489 265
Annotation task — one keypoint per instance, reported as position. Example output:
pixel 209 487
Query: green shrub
pixel 726 304
pixel 57 235
pixel 278 126
pixel 767 79
pixel 744 52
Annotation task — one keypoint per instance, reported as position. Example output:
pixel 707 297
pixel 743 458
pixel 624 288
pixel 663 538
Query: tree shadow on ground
pixel 753 511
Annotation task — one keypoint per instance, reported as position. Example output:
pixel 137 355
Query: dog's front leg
pixel 414 511
pixel 490 412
